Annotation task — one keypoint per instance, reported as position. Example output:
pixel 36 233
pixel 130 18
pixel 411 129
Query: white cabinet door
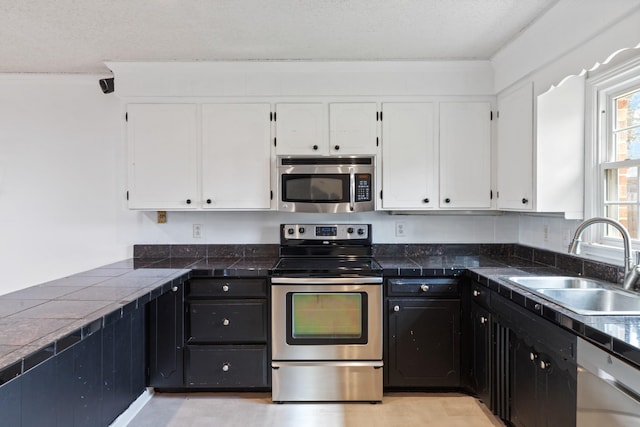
pixel 409 173
pixel 301 129
pixel 352 128
pixel 236 156
pixel 515 150
pixel 465 155
pixel 163 170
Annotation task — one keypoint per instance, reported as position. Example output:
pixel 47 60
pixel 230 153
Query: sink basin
pixel 595 301
pixel 556 282
pixel 581 295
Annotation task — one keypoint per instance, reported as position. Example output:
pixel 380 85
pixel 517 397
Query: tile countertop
pixel 40 321
pixel 34 320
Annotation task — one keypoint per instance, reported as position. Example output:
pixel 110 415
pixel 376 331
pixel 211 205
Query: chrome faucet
pixel 631 269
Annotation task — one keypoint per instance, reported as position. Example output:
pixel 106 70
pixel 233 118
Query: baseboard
pixel 129 414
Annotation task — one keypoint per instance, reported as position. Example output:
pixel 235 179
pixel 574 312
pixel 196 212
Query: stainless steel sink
pixel 581 295
pixel 595 301
pixel 555 282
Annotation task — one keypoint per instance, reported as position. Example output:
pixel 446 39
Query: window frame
pixel 602 86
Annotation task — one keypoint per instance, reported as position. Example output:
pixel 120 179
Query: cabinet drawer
pixel 220 366
pixel 481 295
pixel 427 287
pixel 227 321
pixel 225 287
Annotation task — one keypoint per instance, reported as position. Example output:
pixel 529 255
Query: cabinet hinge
pixel 490 115
pixel 377 141
pixel 380 115
pixel 490 194
pixel 270 116
pixel 380 194
pixel 274 116
pixel 126 117
pixel 127 195
pixel 274 142
pixel 271 194
pixel 377 116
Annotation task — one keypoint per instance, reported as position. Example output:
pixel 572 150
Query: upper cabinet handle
pixel 315 147
pixel 447 200
pixel 337 147
pixel 525 201
pixel 188 201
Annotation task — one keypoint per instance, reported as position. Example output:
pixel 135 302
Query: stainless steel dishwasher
pixel 608 389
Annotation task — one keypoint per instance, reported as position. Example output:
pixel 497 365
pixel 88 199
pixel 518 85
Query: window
pixel 615 101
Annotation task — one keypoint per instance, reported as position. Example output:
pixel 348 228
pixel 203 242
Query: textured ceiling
pixel 76 36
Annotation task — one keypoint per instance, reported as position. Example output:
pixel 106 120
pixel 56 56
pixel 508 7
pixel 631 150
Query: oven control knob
pixel 350 230
pixel 360 231
pixel 290 231
pixel 301 230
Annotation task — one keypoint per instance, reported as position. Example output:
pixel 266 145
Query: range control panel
pixel 325 231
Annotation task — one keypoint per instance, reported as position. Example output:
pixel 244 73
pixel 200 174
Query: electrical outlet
pixel 545 233
pixel 401 228
pixel 197 231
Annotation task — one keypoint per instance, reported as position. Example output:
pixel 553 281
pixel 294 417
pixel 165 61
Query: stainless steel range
pixel 326 301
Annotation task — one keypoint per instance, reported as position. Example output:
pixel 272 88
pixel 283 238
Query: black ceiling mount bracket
pixel 107 85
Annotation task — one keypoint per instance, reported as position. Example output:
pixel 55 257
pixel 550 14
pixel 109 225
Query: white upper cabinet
pixel 301 129
pixel 465 155
pixel 409 172
pixel 353 128
pixel 236 156
pixel 318 129
pixel 545 173
pixel 163 166
pixel 515 150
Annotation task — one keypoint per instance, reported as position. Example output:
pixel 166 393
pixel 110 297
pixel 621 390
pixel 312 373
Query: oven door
pixel 326 319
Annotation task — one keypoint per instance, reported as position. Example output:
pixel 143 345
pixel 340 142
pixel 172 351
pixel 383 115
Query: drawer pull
pixel 424 288
pixel 225 287
pixel 225 367
pixel 226 322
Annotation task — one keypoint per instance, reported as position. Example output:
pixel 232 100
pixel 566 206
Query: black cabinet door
pixel 166 340
pixel 480 353
pixel 525 394
pixel 424 342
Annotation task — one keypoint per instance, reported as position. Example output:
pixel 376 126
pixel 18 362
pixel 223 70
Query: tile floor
pixel 256 409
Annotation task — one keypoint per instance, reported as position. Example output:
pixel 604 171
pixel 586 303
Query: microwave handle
pixel 352 189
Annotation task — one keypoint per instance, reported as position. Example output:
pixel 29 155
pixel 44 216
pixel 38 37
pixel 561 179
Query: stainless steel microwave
pixel 326 184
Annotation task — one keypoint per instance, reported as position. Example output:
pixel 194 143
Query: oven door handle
pixel 325 280
pixel 352 189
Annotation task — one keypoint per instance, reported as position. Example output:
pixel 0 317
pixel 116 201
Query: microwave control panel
pixel 363 187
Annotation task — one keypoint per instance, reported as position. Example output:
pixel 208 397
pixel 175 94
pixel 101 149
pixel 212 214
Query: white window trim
pixel 600 88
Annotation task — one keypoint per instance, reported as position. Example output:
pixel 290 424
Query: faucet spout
pixel 631 270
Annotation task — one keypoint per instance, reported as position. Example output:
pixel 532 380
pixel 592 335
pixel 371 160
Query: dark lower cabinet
pixel 480 353
pixel 423 333
pixel 541 388
pixel 87 384
pixel 165 328
pixel 226 330
pixel 227 366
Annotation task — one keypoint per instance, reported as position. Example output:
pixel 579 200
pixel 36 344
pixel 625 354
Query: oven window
pixel 315 188
pixel 327 318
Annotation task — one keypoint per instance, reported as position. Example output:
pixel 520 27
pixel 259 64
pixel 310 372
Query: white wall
pixel 263 227
pixel 61 179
